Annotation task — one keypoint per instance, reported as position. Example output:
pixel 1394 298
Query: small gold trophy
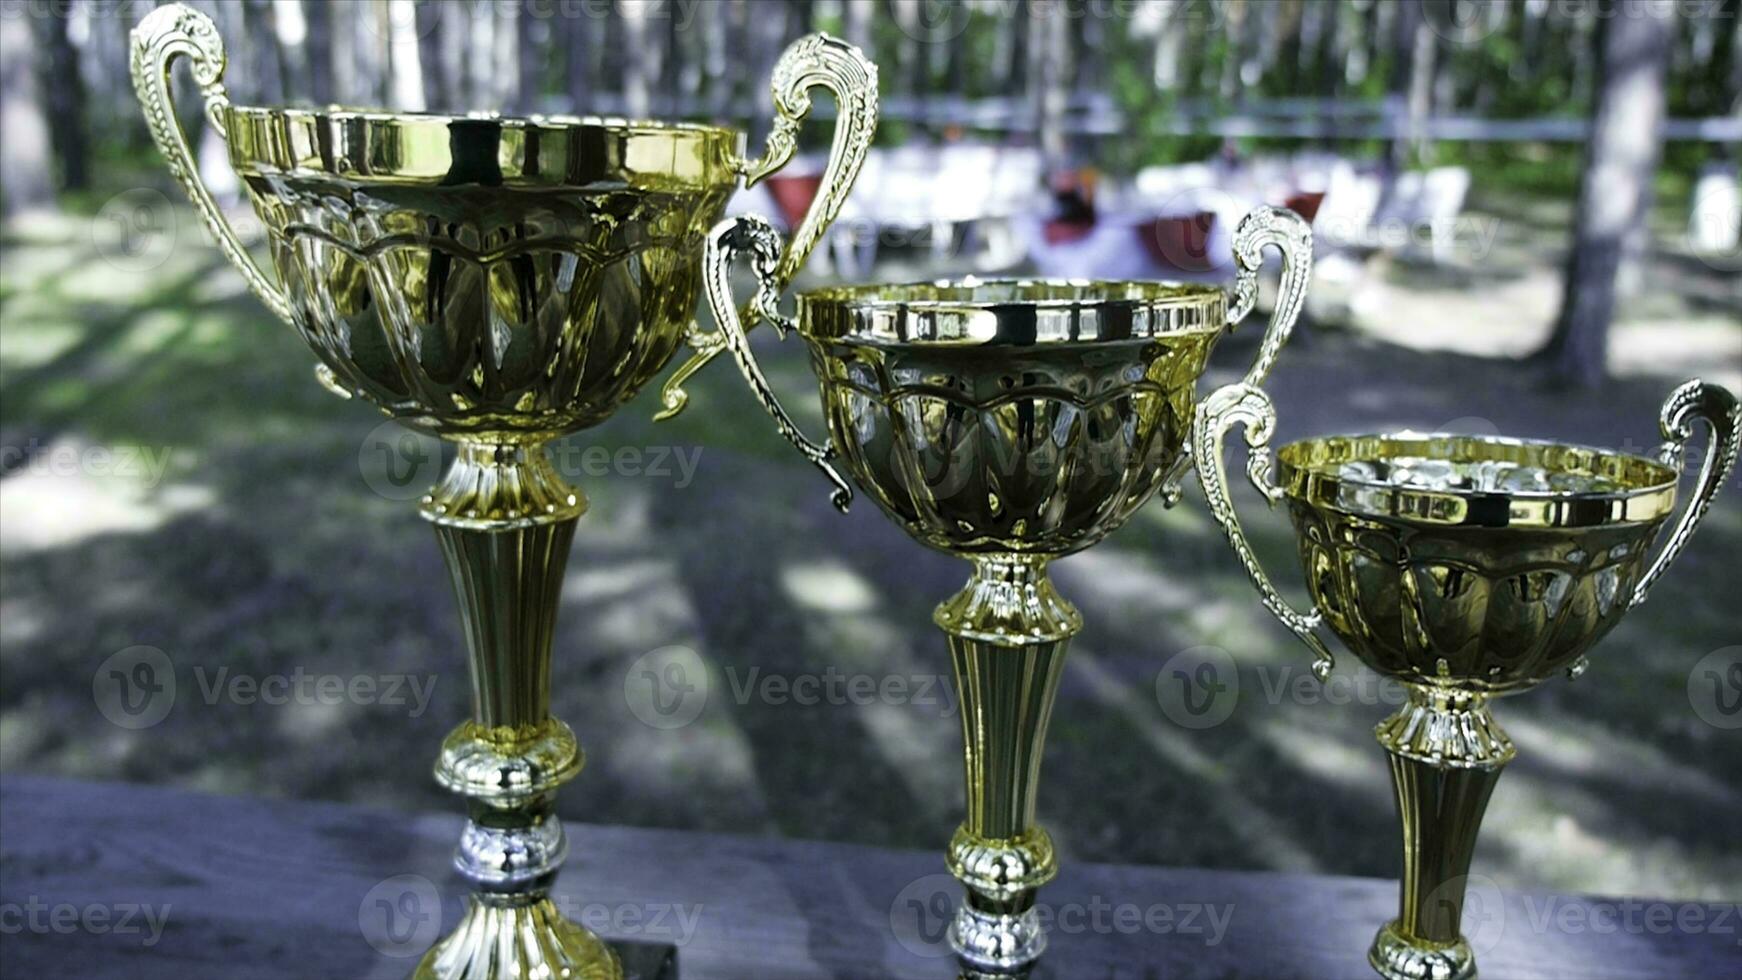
pixel 1466 567
pixel 1009 423
pixel 500 283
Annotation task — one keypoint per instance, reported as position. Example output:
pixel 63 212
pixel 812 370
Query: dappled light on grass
pixel 1543 834
pixel 1350 766
pixel 1264 837
pixel 70 492
pixel 909 719
pixel 1575 748
pixel 827 586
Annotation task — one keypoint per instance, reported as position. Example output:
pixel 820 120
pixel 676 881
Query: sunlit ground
pixel 250 533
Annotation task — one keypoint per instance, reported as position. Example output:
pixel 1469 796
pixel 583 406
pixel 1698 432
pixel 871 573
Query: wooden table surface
pixel 114 880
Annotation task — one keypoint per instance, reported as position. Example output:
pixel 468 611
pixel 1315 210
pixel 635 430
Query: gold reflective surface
pixel 1467 567
pixel 500 282
pixel 1476 481
pixel 1008 422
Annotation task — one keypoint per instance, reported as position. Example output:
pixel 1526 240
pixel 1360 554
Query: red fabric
pixel 793 194
pixel 1059 231
pixel 1180 243
pixel 1306 204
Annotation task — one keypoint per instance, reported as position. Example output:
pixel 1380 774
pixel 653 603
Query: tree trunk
pixel 1615 191
pixel 318 50
pixel 1051 46
pixel 432 60
pixel 578 42
pixel 1406 24
pixel 24 136
pixel 64 91
pixel 405 76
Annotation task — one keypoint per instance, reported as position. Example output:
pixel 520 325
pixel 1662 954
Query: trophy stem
pixel 505 519
pixel 1008 632
pixel 1446 755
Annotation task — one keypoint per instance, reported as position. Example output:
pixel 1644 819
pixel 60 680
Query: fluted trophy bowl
pixel 499 282
pixel 482 274
pixel 1010 416
pixel 1485 564
pixel 1007 422
pixel 1467 567
pixel 486 274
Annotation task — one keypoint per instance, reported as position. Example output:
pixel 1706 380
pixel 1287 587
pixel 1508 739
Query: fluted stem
pixel 1446 755
pixel 505 519
pixel 1008 632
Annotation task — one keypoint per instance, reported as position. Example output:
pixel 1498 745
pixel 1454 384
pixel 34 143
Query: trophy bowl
pixel 1010 416
pixel 1007 422
pixel 499 282
pixel 1485 564
pixel 485 275
pixel 1466 567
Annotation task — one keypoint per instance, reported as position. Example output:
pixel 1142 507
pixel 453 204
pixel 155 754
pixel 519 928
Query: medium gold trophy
pixel 499 283
pixel 1009 423
pixel 1468 568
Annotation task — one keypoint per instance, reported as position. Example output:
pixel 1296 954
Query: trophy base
pixel 1396 956
pixel 520 942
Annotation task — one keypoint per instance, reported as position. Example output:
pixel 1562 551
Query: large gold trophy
pixel 1468 568
pixel 500 283
pixel 1009 423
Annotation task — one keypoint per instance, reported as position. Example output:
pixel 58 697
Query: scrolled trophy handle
pixel 728 240
pixel 1293 237
pixel 810 61
pixel 164 35
pixel 1246 404
pixel 1719 409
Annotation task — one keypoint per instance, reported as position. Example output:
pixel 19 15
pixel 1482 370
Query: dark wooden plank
pixel 276 889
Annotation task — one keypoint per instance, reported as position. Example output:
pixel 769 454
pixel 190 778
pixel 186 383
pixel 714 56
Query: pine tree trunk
pixel 24 135
pixel 64 91
pixel 432 60
pixel 319 52
pixel 578 42
pixel 1615 191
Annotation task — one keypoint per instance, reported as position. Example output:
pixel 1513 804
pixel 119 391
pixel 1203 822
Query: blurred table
pixel 245 888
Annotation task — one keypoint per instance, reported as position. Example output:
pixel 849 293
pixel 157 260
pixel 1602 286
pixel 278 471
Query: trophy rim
pixel 365 144
pixel 420 117
pixel 1011 311
pixel 1647 492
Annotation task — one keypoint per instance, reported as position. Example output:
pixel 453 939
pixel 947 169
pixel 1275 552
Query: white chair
pixel 1346 214
pixel 1715 224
